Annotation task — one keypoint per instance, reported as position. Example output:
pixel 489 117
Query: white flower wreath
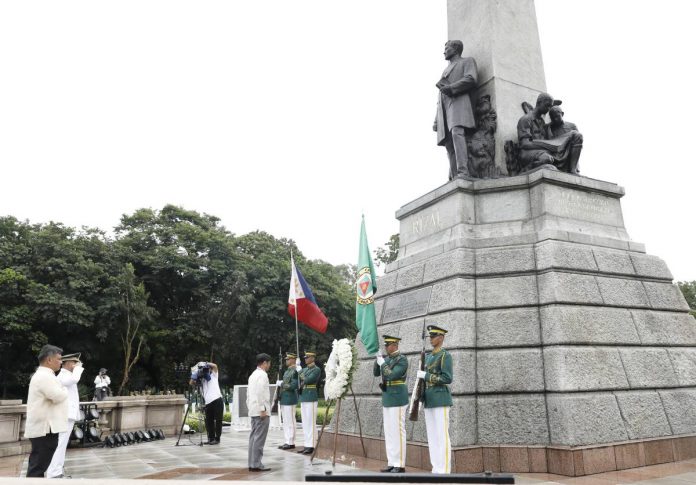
pixel 340 368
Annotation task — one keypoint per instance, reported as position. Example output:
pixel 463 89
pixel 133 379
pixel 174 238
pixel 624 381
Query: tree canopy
pixel 688 289
pixel 170 287
pixel 388 253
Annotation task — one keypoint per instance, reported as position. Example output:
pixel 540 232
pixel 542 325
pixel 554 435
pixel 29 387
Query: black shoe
pixel 308 451
pixel 398 469
pixel 287 447
pixel 387 470
pixel 209 442
pixel 301 451
pixel 259 469
pixel 215 442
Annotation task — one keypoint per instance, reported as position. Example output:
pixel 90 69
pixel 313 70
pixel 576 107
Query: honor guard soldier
pixel 393 370
pixel 288 401
pixel 309 378
pixel 437 399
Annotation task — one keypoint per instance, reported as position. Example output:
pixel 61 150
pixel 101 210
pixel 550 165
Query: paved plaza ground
pixel 228 461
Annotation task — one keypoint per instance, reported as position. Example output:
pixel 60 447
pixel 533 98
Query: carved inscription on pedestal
pixel 584 206
pixel 576 205
pixel 424 224
pixel 407 305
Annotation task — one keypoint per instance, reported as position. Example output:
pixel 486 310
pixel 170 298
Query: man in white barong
pixel 47 411
pixel 259 405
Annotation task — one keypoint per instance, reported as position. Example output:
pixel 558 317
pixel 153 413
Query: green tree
pixel 172 286
pixel 269 326
pixel 136 315
pixel 184 259
pixel 56 281
pixel 16 330
pixel 388 252
pixel 688 289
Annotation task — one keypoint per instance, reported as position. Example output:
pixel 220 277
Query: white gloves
pixel 420 374
pixel 298 368
pixel 279 383
pixel 380 360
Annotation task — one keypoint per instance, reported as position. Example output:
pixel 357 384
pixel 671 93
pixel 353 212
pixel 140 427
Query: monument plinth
pixel 567 339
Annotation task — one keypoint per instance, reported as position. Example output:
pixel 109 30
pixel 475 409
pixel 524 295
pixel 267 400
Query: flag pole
pixel 297 331
pixel 297 334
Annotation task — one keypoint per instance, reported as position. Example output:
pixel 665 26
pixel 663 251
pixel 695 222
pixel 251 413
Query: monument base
pixel 560 460
pixel 572 349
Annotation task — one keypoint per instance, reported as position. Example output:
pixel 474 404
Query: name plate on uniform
pixel 407 305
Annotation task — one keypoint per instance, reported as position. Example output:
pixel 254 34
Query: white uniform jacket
pixel 69 381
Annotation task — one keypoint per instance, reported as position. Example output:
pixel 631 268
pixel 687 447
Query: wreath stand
pixel 338 418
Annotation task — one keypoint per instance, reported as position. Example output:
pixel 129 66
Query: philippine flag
pixel 301 300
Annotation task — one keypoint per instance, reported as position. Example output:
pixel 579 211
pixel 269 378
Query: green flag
pixel 365 289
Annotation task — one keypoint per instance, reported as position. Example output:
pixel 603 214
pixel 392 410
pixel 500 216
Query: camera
pixel 201 372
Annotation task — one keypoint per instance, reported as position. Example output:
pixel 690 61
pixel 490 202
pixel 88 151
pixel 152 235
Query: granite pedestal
pixel 566 336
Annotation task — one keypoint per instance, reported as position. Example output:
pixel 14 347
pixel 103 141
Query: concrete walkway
pixel 228 461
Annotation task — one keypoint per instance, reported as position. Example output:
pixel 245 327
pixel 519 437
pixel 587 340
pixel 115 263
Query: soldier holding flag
pixel 393 370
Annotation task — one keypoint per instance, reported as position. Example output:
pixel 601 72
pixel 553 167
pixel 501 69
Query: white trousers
pixel 287 414
pixel 394 419
pixel 437 426
pixel 309 423
pixel 55 469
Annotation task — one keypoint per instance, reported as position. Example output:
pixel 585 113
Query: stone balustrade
pixel 118 414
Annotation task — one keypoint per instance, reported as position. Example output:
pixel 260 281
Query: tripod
pixel 201 420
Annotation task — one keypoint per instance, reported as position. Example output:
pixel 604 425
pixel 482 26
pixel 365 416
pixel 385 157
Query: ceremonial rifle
pixel 419 387
pixel 276 395
pixel 300 382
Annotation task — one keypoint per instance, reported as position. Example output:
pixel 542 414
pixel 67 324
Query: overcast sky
pixel 294 116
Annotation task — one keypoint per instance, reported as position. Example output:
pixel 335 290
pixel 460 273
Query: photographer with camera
pixel 205 376
pixel 101 385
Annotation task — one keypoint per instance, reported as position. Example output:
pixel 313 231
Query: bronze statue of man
pixel 455 117
pixel 560 129
pixel 558 143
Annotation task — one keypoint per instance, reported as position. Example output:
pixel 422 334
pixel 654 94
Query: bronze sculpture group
pixel 469 135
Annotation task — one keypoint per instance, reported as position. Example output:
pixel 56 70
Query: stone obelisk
pixel 502 36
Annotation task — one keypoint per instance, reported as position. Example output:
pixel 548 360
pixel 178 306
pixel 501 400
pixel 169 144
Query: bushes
pixel 195 423
pixel 321 410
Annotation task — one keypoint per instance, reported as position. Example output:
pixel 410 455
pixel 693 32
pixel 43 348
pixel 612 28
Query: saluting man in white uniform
pixel 69 376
